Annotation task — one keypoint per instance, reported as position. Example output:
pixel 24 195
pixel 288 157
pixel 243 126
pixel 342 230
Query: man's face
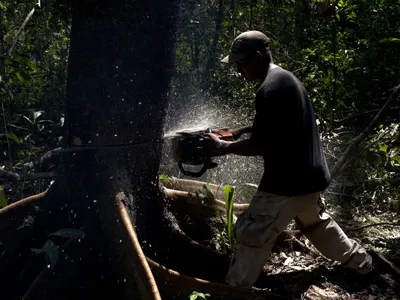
pixel 249 67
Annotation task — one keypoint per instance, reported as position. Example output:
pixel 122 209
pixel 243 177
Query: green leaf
pixel 51 250
pixel 383 148
pixel 25 61
pixel 228 194
pixel 3 199
pixel 164 177
pixel 69 233
pixel 194 295
pixel 20 77
pixel 209 194
pixel 390 40
pixel 37 114
pixel 52 253
pixel 11 136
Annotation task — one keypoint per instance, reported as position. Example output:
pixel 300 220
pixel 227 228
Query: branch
pixel 7 176
pixel 28 17
pixel 201 200
pixel 343 160
pixel 21 173
pixel 373 225
pixel 37 176
pixel 348 118
pixel 49 155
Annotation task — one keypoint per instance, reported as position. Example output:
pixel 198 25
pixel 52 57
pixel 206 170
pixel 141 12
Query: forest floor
pixel 301 275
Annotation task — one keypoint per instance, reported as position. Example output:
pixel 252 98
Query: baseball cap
pixel 246 43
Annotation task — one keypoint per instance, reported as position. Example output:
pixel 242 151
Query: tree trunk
pixel 120 66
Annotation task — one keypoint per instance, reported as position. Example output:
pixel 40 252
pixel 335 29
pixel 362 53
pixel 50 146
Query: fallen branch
pixel 343 160
pixel 176 195
pixel 302 247
pixel 193 186
pixel 373 225
pixel 29 16
pixel 38 176
pixel 47 156
pixel 8 176
pixel 385 264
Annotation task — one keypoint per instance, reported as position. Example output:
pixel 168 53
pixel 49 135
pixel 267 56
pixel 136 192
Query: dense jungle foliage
pixel 345 52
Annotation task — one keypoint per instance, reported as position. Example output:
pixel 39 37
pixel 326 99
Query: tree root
pixel 174 284
pixel 192 186
pixel 200 200
pixel 200 259
pixel 140 267
pixel 124 246
pixel 17 219
pixel 18 210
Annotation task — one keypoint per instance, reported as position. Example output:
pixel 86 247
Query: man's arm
pixel 237 132
pixel 253 146
pixel 247 147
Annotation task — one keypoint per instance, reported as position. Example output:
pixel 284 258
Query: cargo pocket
pixel 256 226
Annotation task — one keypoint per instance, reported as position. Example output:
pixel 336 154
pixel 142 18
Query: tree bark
pixel 120 65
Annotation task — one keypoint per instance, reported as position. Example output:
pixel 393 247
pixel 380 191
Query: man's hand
pixel 214 143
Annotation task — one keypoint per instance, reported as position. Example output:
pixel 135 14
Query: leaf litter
pixel 305 276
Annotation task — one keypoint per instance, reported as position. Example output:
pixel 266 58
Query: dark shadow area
pixel 295 284
pixel 393 246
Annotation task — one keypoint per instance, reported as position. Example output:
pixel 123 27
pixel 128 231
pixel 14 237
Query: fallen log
pixel 192 186
pixel 201 200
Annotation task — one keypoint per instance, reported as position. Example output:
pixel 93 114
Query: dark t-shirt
pixel 285 127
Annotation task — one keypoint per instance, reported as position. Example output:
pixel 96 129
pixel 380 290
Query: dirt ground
pixel 299 275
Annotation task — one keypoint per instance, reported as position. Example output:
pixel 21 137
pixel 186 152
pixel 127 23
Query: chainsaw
pixel 190 148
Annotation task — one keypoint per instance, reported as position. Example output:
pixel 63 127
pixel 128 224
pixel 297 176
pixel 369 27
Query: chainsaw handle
pixel 238 132
pixel 205 167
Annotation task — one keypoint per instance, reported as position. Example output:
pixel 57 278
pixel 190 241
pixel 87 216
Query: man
pixel 285 133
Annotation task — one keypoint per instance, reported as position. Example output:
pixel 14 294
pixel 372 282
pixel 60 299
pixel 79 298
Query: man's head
pixel 250 52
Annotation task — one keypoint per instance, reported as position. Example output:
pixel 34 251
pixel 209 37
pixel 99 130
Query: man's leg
pixel 256 232
pixel 326 235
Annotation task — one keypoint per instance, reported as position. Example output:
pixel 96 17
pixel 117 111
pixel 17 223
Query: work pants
pixel 268 215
